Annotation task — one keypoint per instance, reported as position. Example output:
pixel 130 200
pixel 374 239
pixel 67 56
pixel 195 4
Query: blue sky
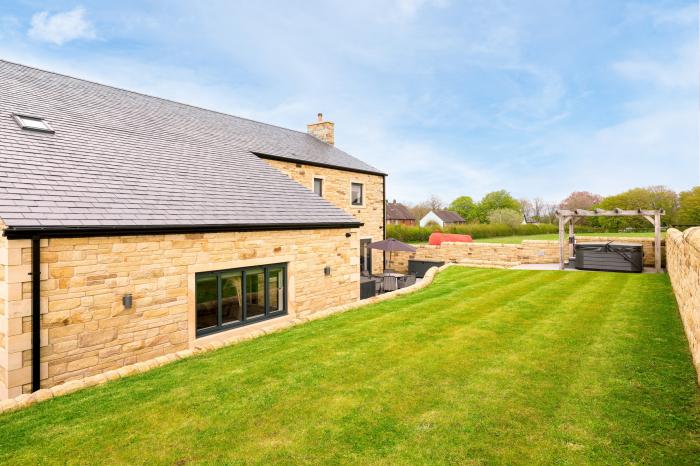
pixel 449 97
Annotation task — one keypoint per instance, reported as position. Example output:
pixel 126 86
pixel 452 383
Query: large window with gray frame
pixel 235 297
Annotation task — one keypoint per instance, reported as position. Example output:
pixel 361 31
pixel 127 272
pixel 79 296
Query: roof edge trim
pixel 81 232
pixel 317 164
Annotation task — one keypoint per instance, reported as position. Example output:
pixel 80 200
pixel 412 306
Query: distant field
pixel 554 237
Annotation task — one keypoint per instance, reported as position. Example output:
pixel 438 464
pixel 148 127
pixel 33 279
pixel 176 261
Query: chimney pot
pixel 320 117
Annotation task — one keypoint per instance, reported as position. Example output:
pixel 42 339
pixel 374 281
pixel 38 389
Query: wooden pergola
pixel 570 217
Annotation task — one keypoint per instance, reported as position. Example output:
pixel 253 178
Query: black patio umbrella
pixel 390 245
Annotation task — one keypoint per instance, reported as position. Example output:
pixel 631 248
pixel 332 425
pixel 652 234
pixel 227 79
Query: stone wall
pixel 683 265
pixel 85 328
pixel 336 189
pixel 3 316
pixel 527 252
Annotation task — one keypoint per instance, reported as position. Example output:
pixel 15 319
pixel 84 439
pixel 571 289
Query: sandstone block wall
pixel 527 252
pixel 336 189
pixel 85 328
pixel 683 265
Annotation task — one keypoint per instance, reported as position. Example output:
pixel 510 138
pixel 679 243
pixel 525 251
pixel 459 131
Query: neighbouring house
pixel 398 214
pixel 444 218
pixel 133 225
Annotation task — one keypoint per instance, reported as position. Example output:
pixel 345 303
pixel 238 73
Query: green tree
pixel 509 217
pixel 582 200
pixel 689 207
pixel 653 197
pixel 496 200
pixel 465 207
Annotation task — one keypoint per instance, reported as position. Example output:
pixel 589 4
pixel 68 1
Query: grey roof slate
pixel 120 158
pixel 397 211
pixel 449 216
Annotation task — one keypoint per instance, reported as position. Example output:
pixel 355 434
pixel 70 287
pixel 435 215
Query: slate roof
pixel 449 216
pixel 120 158
pixel 397 211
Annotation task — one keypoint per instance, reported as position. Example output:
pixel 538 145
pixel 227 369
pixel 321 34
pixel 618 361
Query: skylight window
pixel 33 123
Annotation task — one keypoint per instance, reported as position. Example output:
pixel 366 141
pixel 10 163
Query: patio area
pixel 390 279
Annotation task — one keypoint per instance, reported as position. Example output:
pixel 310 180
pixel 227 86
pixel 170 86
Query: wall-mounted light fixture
pixel 127 301
pixel 327 270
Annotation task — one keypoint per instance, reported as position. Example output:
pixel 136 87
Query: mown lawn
pixel 482 367
pixel 555 237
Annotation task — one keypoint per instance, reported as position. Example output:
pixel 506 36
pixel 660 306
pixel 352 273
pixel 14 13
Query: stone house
pixel 398 214
pixel 444 218
pixel 134 226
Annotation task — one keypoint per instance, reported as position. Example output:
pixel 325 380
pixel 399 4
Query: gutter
pixel 80 231
pixel 36 313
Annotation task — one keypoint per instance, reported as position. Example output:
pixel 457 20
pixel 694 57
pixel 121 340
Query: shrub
pixel 410 234
pixel 509 217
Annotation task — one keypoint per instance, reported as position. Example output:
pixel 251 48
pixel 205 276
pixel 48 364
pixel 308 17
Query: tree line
pixel 500 207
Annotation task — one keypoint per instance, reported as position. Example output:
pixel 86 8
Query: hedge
pixel 416 234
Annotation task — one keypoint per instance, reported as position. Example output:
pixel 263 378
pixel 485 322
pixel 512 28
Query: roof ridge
pixel 161 98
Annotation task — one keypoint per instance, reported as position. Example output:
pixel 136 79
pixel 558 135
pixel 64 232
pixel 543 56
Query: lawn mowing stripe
pixel 597 318
pixel 400 405
pixel 417 358
pixel 495 358
pixel 629 385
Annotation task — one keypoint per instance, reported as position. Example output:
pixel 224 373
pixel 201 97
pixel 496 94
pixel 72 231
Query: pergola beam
pixel 607 213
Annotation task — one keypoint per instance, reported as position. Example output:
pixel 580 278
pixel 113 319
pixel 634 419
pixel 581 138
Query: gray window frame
pixel 221 327
pixel 362 194
pixel 320 180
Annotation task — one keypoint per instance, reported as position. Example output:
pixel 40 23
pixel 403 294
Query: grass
pixel 482 367
pixel 555 237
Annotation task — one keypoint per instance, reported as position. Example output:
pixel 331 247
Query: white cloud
pixel 679 71
pixel 686 15
pixel 659 147
pixel 62 27
pixel 409 8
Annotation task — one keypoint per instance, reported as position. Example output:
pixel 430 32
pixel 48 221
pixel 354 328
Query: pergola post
pixel 657 242
pixel 561 243
pixel 571 238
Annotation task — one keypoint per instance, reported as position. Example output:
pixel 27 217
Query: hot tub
pixel 611 256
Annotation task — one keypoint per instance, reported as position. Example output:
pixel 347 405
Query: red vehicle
pixel 437 238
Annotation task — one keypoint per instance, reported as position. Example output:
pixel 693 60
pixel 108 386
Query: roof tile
pixel 123 158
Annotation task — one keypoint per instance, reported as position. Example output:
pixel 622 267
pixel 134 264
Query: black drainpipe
pixel 36 313
pixel 384 220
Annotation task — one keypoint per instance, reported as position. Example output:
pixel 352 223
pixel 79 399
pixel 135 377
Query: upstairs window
pixel 356 194
pixel 318 186
pixel 33 123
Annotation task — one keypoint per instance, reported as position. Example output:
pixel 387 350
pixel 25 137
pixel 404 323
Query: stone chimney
pixel 322 130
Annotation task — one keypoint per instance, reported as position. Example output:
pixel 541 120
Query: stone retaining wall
pixel 683 267
pixel 527 252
